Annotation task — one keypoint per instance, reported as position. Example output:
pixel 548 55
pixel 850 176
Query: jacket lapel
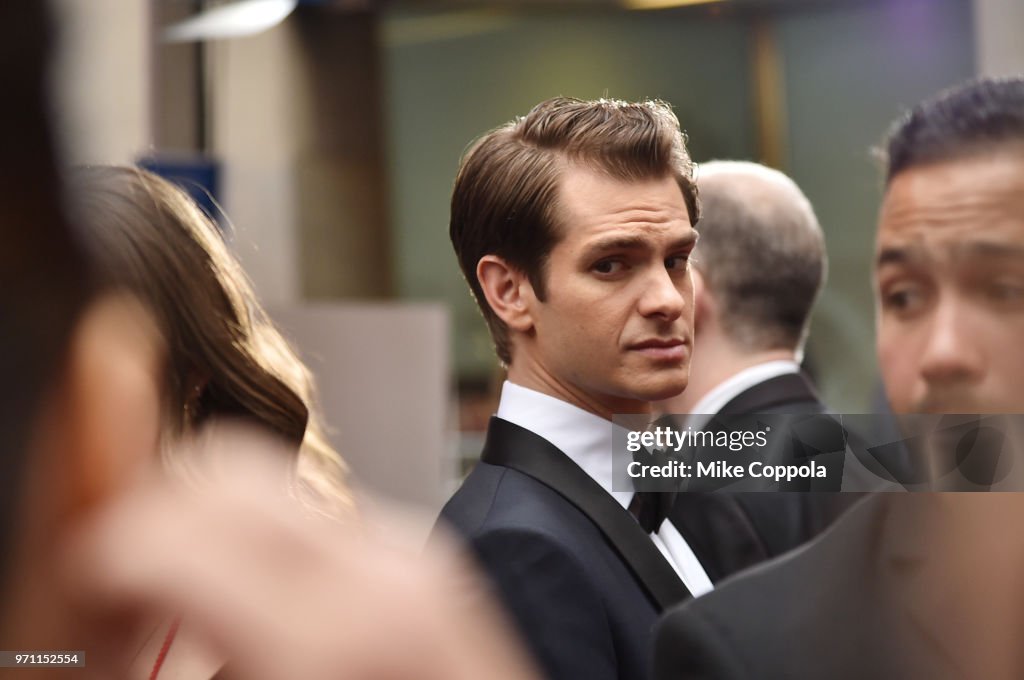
pixel 517 448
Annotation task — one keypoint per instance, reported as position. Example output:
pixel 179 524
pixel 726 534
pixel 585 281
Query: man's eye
pixel 904 299
pixel 609 267
pixel 1007 292
pixel 677 262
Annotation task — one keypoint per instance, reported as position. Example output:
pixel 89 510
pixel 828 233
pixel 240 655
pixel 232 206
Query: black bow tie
pixel 651 508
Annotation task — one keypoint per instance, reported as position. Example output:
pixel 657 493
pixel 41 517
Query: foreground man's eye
pixel 1007 292
pixel 904 299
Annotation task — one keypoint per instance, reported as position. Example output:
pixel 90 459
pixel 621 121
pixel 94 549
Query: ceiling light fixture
pixel 234 20
pixel 664 4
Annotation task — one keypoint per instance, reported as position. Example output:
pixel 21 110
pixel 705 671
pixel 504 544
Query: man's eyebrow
pixel 995 249
pixel 973 248
pixel 638 243
pixel 897 255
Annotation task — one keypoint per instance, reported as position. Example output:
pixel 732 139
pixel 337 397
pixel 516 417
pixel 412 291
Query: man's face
pixel 616 328
pixel 950 286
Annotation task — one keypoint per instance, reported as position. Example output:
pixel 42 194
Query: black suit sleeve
pixel 688 646
pixel 555 604
pixel 785 520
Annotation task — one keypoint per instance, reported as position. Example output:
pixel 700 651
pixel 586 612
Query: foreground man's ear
pixel 508 292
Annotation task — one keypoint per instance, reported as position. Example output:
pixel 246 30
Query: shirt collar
pixel 584 437
pixel 724 392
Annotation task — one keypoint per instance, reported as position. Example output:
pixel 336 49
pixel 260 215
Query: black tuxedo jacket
pixel 729 532
pixel 850 604
pixel 583 582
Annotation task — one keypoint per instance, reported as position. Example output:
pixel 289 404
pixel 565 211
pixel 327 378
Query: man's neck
pixel 604 406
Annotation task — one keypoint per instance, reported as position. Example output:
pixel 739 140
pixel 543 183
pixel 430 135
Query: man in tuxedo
pixel 573 226
pixel 949 280
pixel 758 269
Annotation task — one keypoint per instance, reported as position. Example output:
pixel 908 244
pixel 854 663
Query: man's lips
pixel 662 349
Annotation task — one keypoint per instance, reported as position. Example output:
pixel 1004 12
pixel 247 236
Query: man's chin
pixel 662 389
pixel 965 405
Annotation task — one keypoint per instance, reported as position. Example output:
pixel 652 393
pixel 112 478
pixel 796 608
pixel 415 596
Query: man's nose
pixel 952 352
pixel 666 296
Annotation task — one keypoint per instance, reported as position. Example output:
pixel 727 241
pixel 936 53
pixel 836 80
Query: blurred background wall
pixel 337 132
pixel 807 87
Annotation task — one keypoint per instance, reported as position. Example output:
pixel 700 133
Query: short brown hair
pixel 506 192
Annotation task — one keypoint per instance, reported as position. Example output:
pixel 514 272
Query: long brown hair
pixel 225 357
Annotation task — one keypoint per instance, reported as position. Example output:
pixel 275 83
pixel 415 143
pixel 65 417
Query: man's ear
pixel 508 292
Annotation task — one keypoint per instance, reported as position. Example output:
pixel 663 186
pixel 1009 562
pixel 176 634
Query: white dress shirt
pixel 587 440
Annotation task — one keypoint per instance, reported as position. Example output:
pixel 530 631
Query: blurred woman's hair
pixel 225 357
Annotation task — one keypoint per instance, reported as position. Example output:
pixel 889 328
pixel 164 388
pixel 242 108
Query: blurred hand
pixel 281 593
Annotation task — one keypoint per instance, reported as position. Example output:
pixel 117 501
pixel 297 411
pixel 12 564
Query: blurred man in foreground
pixel 909 586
